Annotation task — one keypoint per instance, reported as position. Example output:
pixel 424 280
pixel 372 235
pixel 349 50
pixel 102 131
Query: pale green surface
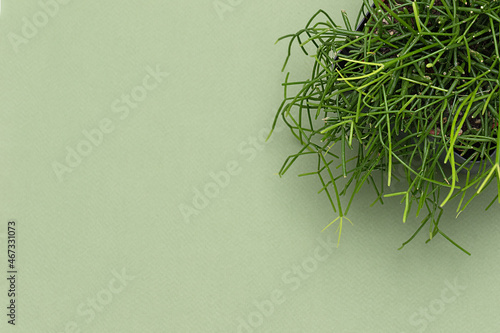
pixel 119 209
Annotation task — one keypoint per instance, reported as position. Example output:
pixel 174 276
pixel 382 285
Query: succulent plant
pixel 412 86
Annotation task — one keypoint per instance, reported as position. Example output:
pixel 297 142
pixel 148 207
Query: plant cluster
pixel 414 85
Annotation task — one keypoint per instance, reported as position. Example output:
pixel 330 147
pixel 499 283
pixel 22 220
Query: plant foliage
pixel 415 86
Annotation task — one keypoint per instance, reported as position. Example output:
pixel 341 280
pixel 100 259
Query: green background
pixel 250 258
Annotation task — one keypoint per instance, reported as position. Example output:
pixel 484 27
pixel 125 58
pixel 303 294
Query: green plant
pixel 416 87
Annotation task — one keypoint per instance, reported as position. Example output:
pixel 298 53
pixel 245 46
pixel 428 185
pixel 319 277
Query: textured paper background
pixel 252 258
